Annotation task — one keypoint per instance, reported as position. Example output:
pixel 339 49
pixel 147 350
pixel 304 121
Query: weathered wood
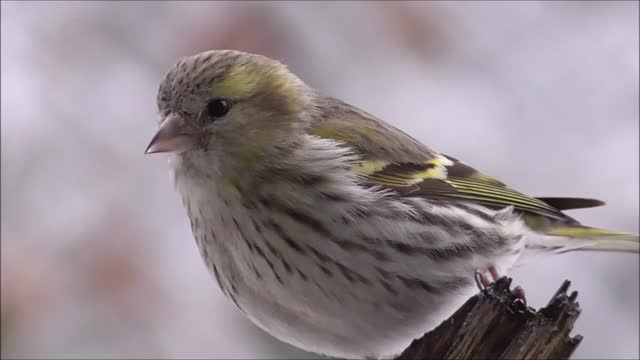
pixel 494 324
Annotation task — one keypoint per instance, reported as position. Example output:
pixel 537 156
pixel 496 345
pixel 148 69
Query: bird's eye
pixel 218 108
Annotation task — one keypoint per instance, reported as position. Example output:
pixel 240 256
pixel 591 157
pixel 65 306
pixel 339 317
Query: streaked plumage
pixel 329 228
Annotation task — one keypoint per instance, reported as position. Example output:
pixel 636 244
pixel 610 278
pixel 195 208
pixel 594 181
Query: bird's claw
pixel 518 292
pixel 482 282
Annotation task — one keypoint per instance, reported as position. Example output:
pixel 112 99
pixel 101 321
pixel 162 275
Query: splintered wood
pixel 495 324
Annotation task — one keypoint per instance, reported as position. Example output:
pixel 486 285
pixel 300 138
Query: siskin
pixel 329 228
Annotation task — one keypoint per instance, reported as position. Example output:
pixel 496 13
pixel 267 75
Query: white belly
pixel 335 286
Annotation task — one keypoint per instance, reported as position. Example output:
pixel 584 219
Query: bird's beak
pixel 174 136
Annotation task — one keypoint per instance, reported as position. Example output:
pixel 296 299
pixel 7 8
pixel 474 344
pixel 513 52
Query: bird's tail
pixel 563 238
pixel 593 239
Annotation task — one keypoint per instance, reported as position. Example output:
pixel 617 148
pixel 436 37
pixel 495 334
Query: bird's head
pixel 228 103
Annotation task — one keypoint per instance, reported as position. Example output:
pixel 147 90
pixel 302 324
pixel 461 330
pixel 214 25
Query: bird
pixel 329 228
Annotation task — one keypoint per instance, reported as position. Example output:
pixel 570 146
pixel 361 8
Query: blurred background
pixel 97 254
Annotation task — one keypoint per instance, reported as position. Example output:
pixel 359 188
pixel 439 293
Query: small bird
pixel 329 228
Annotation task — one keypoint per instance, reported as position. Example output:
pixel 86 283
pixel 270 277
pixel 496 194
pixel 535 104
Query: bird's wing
pixel 446 178
pixel 394 160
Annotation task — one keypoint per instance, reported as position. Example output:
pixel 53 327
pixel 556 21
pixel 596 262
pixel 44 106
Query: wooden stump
pixel 494 324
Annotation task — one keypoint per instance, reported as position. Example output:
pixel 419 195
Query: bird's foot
pixel 518 292
pixel 483 282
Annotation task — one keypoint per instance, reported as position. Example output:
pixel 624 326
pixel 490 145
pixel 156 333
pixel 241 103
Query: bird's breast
pixel 314 272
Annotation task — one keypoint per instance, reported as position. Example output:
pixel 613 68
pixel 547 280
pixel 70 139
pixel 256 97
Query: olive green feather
pixel 392 159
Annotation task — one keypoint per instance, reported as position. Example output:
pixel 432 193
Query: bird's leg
pixel 494 273
pixel 482 282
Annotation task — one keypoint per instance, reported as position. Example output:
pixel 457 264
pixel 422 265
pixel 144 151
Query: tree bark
pixel 494 324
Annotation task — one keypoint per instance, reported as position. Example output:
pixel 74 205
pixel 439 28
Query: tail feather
pixel 583 238
pixel 560 236
pixel 629 246
pixel 565 203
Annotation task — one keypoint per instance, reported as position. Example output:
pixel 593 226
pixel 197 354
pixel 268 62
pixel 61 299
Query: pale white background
pixel 97 255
